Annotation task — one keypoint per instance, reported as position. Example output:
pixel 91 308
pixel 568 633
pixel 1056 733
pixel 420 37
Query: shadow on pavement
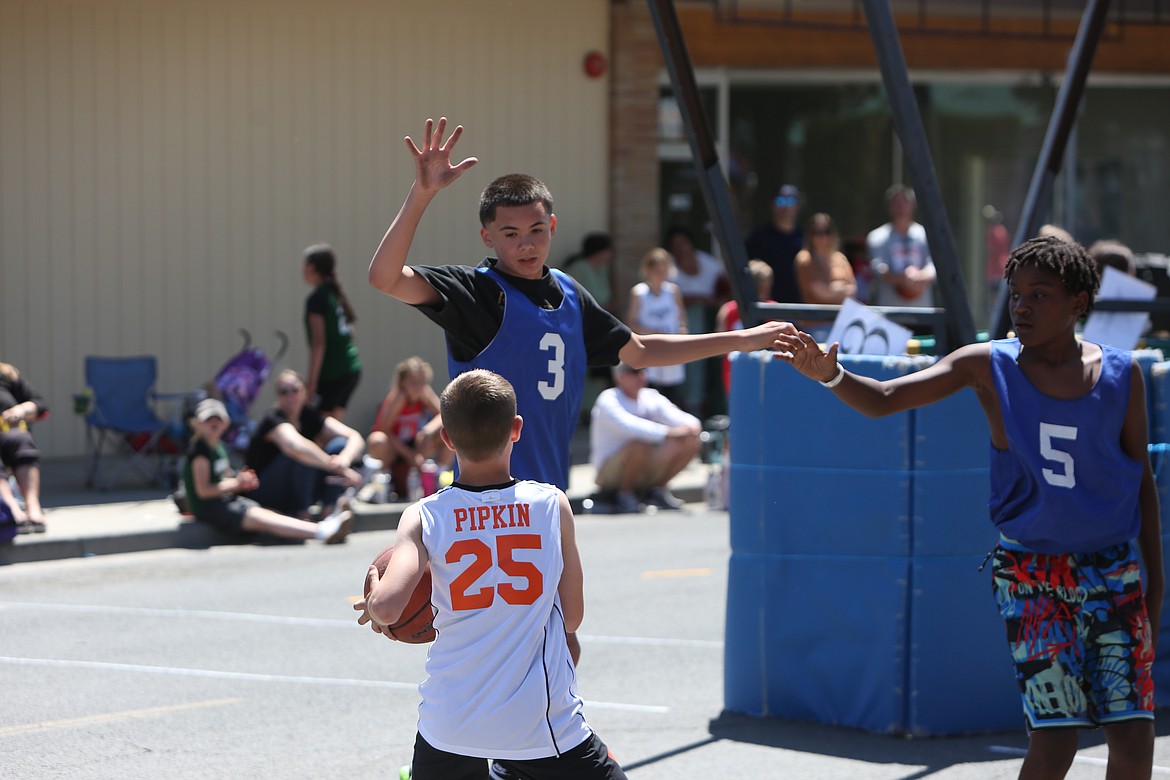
pixel 933 753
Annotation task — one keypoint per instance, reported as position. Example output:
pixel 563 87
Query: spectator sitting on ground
pixel 212 488
pixel 301 456
pixel 406 428
pixel 20 403
pixel 639 441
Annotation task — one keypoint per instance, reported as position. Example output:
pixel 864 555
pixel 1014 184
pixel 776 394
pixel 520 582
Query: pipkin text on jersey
pixel 500 515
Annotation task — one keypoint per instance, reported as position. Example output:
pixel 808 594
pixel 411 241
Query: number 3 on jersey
pixel 1067 476
pixel 552 342
pixel 464 598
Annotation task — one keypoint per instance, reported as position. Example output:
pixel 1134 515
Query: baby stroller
pixel 239 382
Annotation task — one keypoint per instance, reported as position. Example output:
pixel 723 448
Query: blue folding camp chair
pixel 120 412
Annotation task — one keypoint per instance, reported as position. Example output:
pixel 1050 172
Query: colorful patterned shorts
pixel 1079 635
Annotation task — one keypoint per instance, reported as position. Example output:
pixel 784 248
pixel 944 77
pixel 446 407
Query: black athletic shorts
pixel 335 393
pixel 590 759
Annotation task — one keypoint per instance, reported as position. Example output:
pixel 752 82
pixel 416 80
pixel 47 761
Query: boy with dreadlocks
pixel 1071 487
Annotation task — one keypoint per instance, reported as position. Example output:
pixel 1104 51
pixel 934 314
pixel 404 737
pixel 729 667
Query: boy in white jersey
pixel 1071 488
pixel 506 579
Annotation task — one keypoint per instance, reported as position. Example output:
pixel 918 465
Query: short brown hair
pixel 478 408
pixel 514 189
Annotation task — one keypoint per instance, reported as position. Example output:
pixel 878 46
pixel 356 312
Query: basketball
pixel 415 626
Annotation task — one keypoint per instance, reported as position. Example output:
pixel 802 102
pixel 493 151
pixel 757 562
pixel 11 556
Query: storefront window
pixel 835 141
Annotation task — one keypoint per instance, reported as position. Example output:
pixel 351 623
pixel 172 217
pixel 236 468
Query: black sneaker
pixel 663 499
pixel 626 503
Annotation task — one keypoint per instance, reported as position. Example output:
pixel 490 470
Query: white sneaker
pixel 334 528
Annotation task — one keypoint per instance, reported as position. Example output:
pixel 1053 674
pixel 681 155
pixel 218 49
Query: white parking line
pixel 278 678
pixel 250 617
pixel 185 614
pixel 1093 760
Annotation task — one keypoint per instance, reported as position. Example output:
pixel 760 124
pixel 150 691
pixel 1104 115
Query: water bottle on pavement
pixel 429 477
pixel 414 486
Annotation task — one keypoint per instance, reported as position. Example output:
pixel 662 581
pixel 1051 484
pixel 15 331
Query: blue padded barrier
pixel 833 516
pixel 1146 360
pixel 800 413
pixel 952 689
pixel 1160 462
pixel 950 487
pixel 851 677
pixel 813 511
pixel 1158 392
pixel 950 513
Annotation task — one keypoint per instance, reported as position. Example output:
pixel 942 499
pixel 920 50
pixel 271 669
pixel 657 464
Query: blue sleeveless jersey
pixel 542 353
pixel 1064 484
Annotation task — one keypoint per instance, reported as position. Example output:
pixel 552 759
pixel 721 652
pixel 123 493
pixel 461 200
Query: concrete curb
pixel 189 534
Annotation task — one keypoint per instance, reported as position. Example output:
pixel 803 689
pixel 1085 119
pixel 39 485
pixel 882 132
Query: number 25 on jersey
pixel 464 596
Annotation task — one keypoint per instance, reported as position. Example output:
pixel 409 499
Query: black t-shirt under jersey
pixel 472 309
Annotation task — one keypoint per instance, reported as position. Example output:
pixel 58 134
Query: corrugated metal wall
pixel 163 164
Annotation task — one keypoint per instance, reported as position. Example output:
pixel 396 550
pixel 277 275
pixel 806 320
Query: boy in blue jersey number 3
pixel 1071 488
pixel 506 582
pixel 535 326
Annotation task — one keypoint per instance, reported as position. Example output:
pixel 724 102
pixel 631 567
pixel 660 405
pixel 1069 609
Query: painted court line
pixel 91 720
pixel 185 614
pixel 664 574
pixel 1092 760
pixel 278 678
pixel 249 617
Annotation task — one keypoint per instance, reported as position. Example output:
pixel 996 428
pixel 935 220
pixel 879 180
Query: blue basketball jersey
pixel 1064 485
pixel 542 353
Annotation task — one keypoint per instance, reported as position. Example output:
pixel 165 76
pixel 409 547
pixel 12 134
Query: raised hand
pixel 433 168
pixel 807 357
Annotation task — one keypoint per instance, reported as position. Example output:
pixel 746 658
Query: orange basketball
pixel 416 625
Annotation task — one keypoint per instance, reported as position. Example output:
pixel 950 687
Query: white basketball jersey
pixel 500 682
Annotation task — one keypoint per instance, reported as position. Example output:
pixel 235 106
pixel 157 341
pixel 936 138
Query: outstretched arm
pixel 968 366
pixel 662 349
pixel 433 171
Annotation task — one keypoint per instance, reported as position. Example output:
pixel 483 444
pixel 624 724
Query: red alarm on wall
pixel 595 64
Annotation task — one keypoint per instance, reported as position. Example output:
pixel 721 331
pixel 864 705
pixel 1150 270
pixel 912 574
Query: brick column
pixel 636 62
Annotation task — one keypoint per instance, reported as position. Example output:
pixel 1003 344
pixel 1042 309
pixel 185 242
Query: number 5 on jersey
pixel 1067 476
pixel 464 598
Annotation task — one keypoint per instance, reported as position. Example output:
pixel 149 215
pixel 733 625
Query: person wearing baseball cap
pixel 777 241
pixel 213 488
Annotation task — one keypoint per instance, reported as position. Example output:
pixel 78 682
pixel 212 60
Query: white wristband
pixel 837 379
